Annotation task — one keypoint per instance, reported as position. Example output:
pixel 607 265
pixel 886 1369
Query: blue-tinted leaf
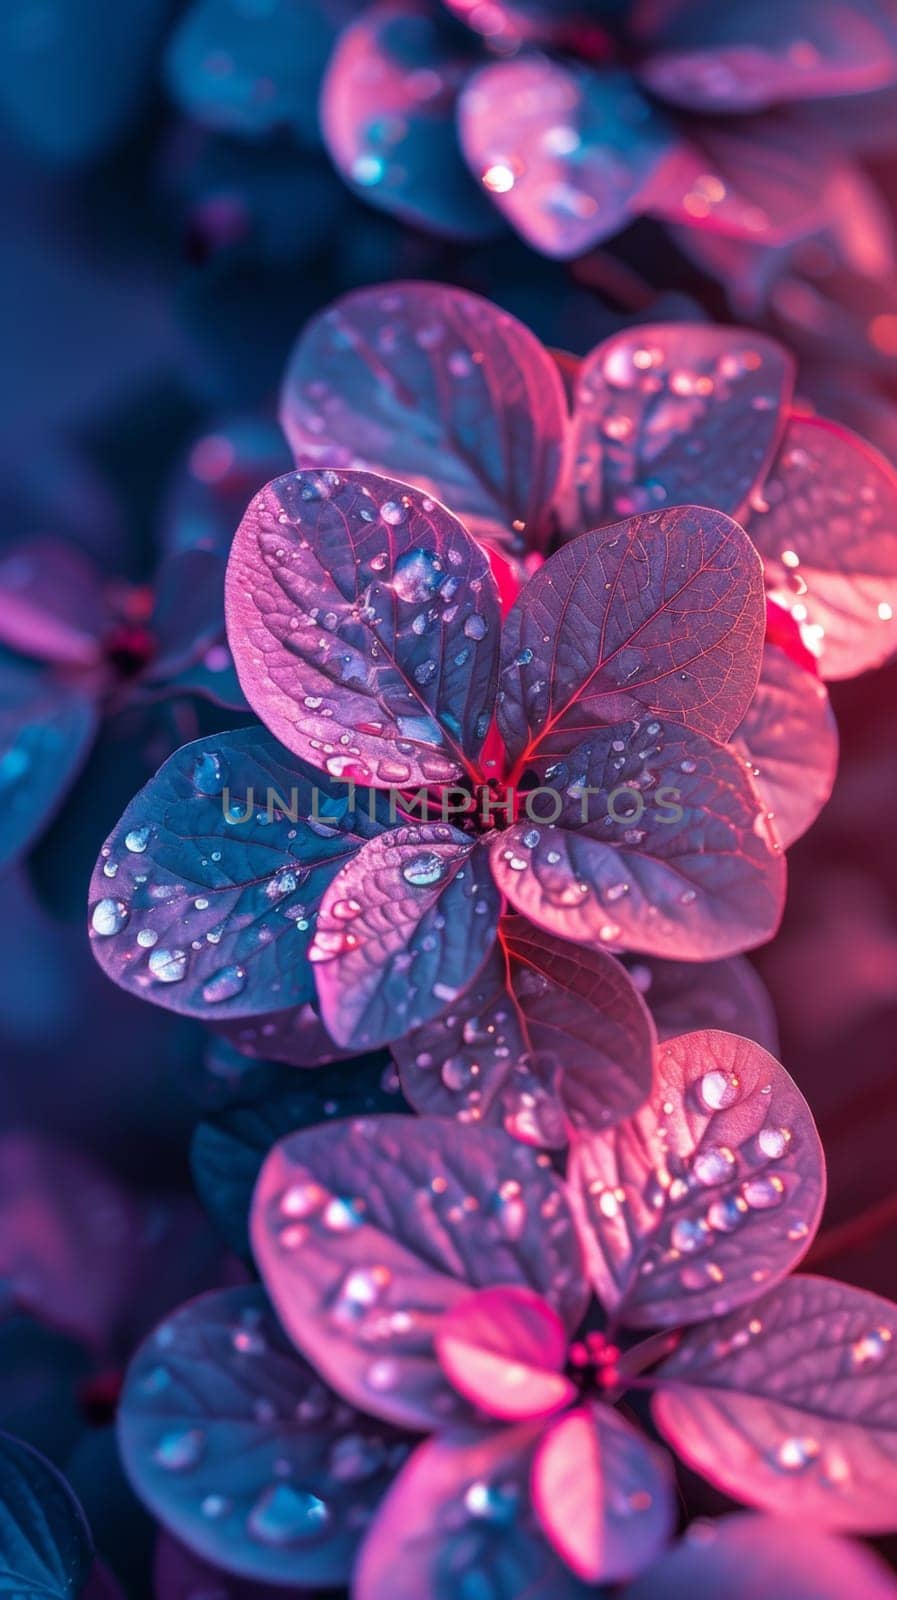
pixel 791 1403
pixel 365 1232
pixel 440 388
pixel 763 1558
pixel 401 932
pixel 46 727
pixel 227 1152
pixel 233 1443
pixel 225 466
pixel 364 624
pixel 790 740
pixel 45 1547
pixel 74 73
pixel 253 68
pixel 662 613
pixel 671 413
pixel 710 1194
pixel 683 996
pixel 548 1036
pixel 661 845
pixel 388 116
pixel 203 912
pixel 563 151
pixel 188 617
pixel 461 1515
pixel 602 1493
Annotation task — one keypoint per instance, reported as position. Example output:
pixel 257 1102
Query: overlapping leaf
pixel 437 387
pixel 366 1232
pixel 547 1036
pixel 403 929
pixel 364 625
pixel 790 740
pixel 661 613
pixel 761 1558
pixel 684 996
pixel 45 1545
pixel 791 1403
pixel 710 1194
pixel 205 895
pixel 46 727
pixel 661 845
pixel 505 1350
pixel 233 1443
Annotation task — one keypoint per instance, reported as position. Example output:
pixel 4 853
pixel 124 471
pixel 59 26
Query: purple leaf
pixel 791 1404
pixel 563 151
pixel 661 613
pixel 51 603
pixel 548 1034
pixel 789 739
pixel 671 413
pixel 179 1574
pixel 603 1495
pixel 67 1239
pixel 46 729
pixel 713 58
pixel 366 1232
pixel 403 928
pixel 712 1192
pixel 763 1558
pixel 205 894
pixel 505 1351
pixel 828 539
pixel 232 1442
pixel 437 387
pixel 683 996
pixel 388 117
pixel 460 1513
pixel 364 624
pixel 210 489
pixel 188 617
pixel 661 845
pixel 296 1036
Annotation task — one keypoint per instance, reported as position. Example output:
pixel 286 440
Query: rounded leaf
pixel 789 738
pixel 388 117
pixel 791 1404
pixel 505 1351
pixel 232 1442
pixel 296 1037
pixel 46 729
pixel 402 930
pixel 461 1512
pixel 709 1195
pixel 204 896
pixel 366 1232
pixel 547 1036
pixel 662 613
pixel 684 996
pixel 45 1546
pixel 437 387
pixel 826 528
pixel 763 1558
pixel 563 151
pixel 661 845
pixel 671 413
pixel 364 625
pixel 603 1494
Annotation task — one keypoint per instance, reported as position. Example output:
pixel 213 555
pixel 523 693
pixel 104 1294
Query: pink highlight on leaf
pixel 789 739
pixel 52 606
pixel 504 1350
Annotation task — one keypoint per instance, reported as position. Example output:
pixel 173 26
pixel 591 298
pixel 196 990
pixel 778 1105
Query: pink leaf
pixel 504 1350
pixel 791 1404
pixel 364 624
pixel 731 58
pixel 660 845
pixel 51 603
pixel 437 387
pixel 367 1232
pixel 460 1516
pixel 401 932
pixel 789 739
pixel 710 1194
pixel 747 1557
pixel 671 413
pixel 683 996
pixel 602 1494
pixel 661 613
pixel 827 532
pixel 547 1035
pixel 563 151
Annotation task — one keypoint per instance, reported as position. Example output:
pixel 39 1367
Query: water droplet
pixel 417 576
pixel 393 512
pixel 208 773
pixel 215 1506
pixel 492 1502
pixel 871 1349
pixel 283 1515
pixel 762 1194
pixel 725 1215
pixel 475 626
pixel 423 870
pixel 180 1449
pixel 719 1090
pixel 383 1375
pixel 146 938
pixel 359 1291
pixel 224 985
pixel 109 916
pixel 686 1235
pixel 713 1165
pixel 773 1142
pixel 168 966
pixel 794 1454
pixel 137 840
pixel 354 1458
